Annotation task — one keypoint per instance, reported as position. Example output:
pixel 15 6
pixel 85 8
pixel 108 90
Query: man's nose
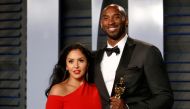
pixel 111 21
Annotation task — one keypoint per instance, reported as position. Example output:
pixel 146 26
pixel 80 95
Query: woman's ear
pixel 67 68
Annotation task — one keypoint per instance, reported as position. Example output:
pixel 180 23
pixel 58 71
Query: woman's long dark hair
pixel 59 72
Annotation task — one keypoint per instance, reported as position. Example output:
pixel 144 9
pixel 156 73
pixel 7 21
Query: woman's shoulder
pixel 58 89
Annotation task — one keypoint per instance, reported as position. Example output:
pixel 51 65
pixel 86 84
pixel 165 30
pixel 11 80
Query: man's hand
pixel 117 103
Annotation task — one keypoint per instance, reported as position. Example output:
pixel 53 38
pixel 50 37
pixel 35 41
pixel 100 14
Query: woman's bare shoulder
pixel 58 89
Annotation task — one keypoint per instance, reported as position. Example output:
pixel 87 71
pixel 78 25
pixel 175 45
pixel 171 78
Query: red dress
pixel 84 97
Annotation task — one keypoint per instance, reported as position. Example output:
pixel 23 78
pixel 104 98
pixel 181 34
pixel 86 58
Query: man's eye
pixel 117 17
pixel 105 18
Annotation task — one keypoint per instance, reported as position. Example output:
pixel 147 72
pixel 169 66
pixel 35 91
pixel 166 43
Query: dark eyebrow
pixel 82 58
pixel 104 15
pixel 78 58
pixel 119 14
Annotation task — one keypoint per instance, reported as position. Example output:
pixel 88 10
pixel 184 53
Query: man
pixel 141 63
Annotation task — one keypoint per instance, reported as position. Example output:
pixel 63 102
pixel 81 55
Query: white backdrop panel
pixel 146 21
pixel 42 49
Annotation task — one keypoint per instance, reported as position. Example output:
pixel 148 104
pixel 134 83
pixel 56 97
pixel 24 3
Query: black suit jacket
pixel 147 81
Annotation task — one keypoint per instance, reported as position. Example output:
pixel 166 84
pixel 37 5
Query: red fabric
pixel 85 97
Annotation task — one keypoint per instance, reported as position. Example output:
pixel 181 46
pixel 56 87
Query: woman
pixel 69 88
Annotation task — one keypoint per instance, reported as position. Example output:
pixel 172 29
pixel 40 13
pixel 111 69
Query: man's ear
pixel 126 20
pixel 100 25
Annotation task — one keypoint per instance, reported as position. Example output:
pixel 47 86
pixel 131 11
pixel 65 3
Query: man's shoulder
pixel 145 46
pixel 142 43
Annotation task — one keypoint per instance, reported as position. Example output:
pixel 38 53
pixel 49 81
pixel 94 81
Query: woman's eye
pixel 70 61
pixel 81 60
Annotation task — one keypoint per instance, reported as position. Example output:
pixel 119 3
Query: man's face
pixel 113 22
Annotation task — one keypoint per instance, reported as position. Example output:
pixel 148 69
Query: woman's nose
pixel 76 65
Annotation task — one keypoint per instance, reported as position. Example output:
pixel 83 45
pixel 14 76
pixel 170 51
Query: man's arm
pixel 158 82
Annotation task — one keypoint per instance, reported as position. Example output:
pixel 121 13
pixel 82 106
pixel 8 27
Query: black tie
pixel 109 51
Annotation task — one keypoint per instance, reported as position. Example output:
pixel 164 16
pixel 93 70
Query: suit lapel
pixel 99 77
pixel 124 61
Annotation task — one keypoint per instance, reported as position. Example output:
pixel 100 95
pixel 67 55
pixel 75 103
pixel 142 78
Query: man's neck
pixel 113 42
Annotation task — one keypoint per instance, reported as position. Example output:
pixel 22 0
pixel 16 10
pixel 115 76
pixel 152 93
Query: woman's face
pixel 76 64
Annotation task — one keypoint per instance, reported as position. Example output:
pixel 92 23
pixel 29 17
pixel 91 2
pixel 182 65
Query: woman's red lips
pixel 77 71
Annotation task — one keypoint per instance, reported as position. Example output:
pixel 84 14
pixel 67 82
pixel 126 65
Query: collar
pixel 120 44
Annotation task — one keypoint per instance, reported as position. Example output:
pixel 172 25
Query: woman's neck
pixel 74 82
